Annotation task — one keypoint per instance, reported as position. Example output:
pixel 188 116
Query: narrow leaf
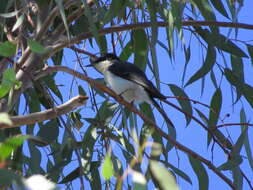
pixel 206 67
pixel 10 14
pixel 163 178
pixel 19 21
pixel 220 41
pixel 183 100
pixel 246 140
pixel 201 173
pixel 218 5
pixel 140 46
pixel 215 109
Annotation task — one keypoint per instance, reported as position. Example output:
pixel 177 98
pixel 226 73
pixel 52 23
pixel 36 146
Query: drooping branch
pixel 51 69
pixel 47 114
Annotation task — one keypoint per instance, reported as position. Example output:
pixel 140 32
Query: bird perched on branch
pixel 128 81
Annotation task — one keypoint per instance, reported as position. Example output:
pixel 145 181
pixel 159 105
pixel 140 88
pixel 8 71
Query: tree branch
pixel 47 114
pixel 51 69
pixel 120 28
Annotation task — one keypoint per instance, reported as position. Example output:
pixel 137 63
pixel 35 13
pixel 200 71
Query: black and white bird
pixel 128 81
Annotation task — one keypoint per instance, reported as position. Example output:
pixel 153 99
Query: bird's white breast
pixel 129 90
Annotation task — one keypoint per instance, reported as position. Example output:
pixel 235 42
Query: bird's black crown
pixel 107 56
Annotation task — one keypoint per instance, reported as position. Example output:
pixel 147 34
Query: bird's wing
pixel 132 73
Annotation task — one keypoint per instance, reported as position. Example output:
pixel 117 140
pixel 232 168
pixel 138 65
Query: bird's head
pixel 102 63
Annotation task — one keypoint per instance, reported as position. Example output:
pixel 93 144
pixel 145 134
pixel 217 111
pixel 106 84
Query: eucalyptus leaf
pixel 201 173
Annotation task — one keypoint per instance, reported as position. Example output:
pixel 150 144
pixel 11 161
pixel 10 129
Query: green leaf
pixel 207 12
pixel 201 173
pixel 19 21
pixel 114 10
pixel 8 81
pixel 250 50
pixel 179 172
pixel 71 176
pixel 164 180
pixel 36 47
pixel 8 177
pixel 5 119
pixel 220 7
pixel 49 132
pixel 184 102
pixel 206 67
pixel 220 41
pixel 107 168
pixel 101 40
pixel 50 82
pixel 231 164
pixel 246 140
pixel 215 109
pixel 63 15
pixel 140 46
pixel 10 145
pixel 8 49
pixel 238 71
pixel 237 178
pixel 247 92
pixel 243 88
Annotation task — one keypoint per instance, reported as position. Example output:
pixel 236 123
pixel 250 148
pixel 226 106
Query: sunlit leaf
pixel 8 49
pixel 5 119
pixel 164 180
pixel 179 172
pixel 201 173
pixel 10 145
pixel 139 181
pixel 107 168
pixel 19 21
pixel 10 14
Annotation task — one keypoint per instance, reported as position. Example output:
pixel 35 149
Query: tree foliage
pixel 61 121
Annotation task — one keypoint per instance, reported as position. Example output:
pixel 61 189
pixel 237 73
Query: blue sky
pixel 192 136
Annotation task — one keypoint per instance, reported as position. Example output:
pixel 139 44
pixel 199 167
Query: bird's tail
pixel 169 123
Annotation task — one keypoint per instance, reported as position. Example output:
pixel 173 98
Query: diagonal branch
pixel 51 69
pixel 47 114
